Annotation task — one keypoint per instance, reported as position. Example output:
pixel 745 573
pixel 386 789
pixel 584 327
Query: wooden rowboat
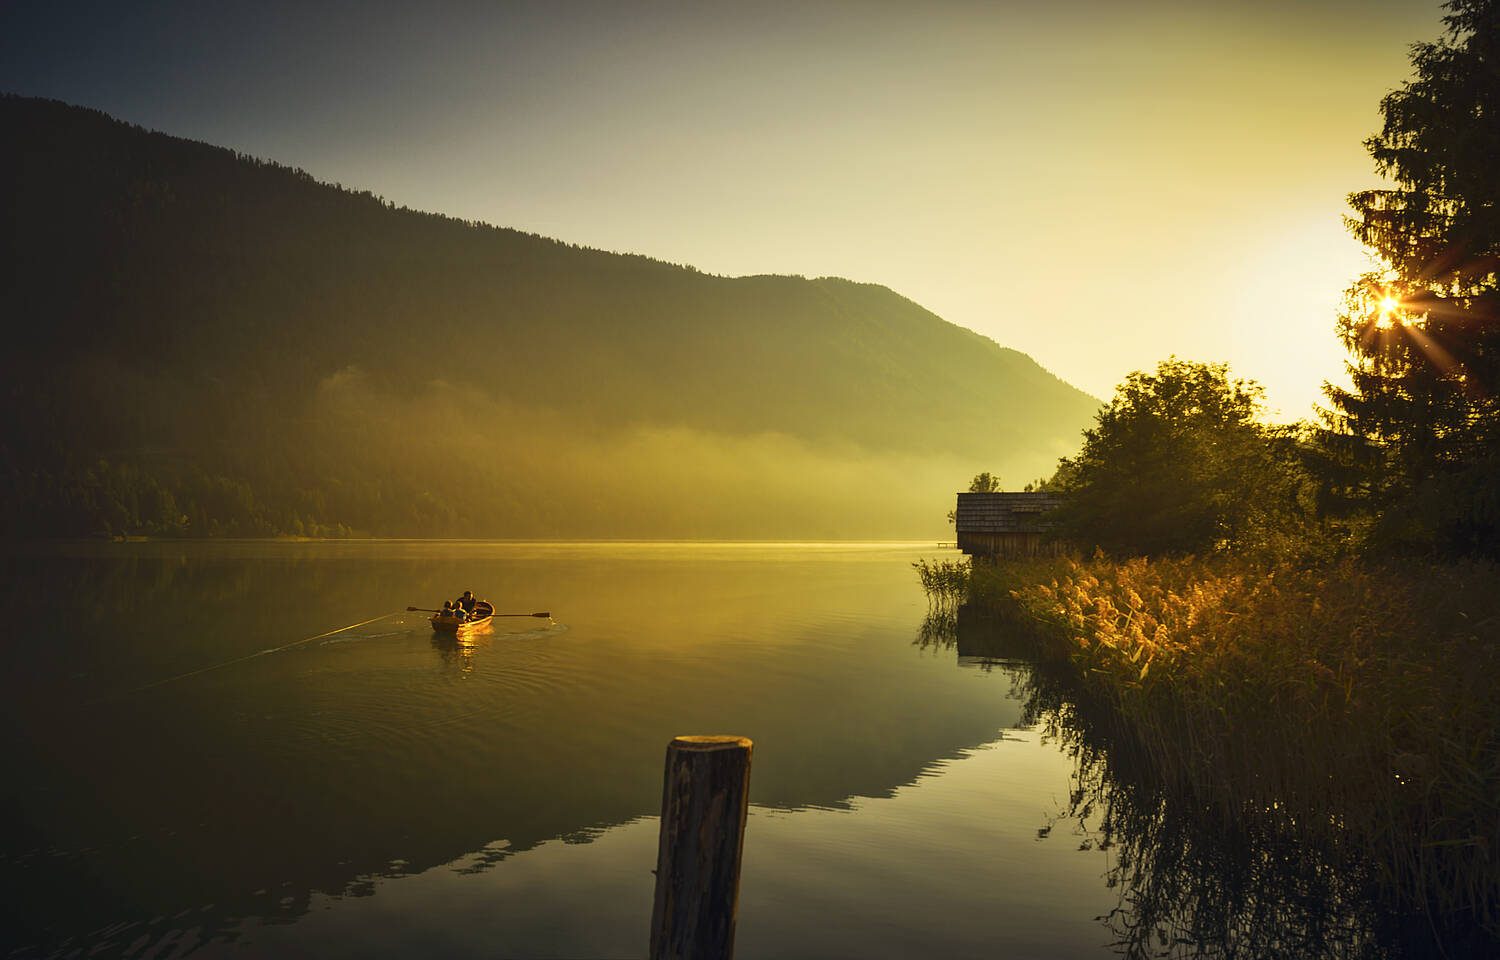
pixel 455 625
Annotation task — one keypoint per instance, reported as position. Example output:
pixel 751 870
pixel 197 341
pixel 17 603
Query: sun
pixel 1388 306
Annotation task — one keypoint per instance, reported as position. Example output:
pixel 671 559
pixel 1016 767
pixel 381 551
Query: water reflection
pixel 1191 881
pixel 458 652
pixel 289 786
pixel 980 639
pixel 139 816
pixel 939 630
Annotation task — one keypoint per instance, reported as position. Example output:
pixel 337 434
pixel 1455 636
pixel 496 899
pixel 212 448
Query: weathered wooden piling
pixel 703 804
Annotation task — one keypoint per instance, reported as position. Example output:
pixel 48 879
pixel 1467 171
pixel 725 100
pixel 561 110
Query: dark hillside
pixel 218 328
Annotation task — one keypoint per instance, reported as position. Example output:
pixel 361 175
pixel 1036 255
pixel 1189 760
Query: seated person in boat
pixel 467 601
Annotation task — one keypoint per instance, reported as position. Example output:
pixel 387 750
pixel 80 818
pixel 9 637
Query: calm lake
pixel 195 764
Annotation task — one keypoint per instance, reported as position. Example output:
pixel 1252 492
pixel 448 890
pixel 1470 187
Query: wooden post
pixel 703 805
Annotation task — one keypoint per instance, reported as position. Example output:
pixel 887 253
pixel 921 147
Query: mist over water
pixel 545 472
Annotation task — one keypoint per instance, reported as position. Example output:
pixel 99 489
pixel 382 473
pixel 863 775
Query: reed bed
pixel 1356 706
pixel 946 582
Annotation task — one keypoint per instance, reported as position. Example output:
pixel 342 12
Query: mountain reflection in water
pixel 172 788
pixel 151 816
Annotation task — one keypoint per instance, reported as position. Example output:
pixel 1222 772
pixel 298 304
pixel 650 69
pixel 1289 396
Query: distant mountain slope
pixel 196 318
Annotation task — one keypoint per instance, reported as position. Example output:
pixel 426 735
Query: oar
pixel 430 610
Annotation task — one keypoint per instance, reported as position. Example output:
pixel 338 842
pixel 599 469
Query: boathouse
pixel 1005 524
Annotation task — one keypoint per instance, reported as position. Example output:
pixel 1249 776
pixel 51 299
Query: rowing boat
pixel 482 613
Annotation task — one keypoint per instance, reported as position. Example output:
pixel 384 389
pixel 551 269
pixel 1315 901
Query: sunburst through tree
pixel 1421 421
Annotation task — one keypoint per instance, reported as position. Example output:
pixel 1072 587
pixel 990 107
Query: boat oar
pixel 430 610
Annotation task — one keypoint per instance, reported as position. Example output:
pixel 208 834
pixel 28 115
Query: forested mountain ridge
pixel 274 354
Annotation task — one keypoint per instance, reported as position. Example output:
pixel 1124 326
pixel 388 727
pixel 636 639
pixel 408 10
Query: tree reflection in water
pixel 1192 881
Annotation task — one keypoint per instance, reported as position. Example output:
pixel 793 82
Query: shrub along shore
pixel 1355 702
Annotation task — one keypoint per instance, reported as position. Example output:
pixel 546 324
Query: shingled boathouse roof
pixel 1005 524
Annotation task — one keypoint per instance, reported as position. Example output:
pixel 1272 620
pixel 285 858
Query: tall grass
pixel 946 582
pixel 1347 704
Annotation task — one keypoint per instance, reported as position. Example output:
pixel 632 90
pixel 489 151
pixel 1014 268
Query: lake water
pixel 196 764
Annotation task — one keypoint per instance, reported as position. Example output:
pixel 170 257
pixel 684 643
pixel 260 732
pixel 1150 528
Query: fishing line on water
pixel 250 656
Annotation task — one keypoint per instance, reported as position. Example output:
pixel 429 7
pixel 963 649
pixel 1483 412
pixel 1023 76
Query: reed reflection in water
pixel 1189 881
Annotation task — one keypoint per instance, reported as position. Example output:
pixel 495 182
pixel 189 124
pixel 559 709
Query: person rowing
pixel 453 615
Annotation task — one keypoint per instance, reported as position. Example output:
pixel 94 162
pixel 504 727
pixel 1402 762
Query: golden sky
pixel 1096 184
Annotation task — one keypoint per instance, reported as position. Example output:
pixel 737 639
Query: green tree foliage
pixel 984 483
pixel 1179 462
pixel 1416 441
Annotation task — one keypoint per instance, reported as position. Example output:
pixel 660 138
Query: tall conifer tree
pixel 1424 330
